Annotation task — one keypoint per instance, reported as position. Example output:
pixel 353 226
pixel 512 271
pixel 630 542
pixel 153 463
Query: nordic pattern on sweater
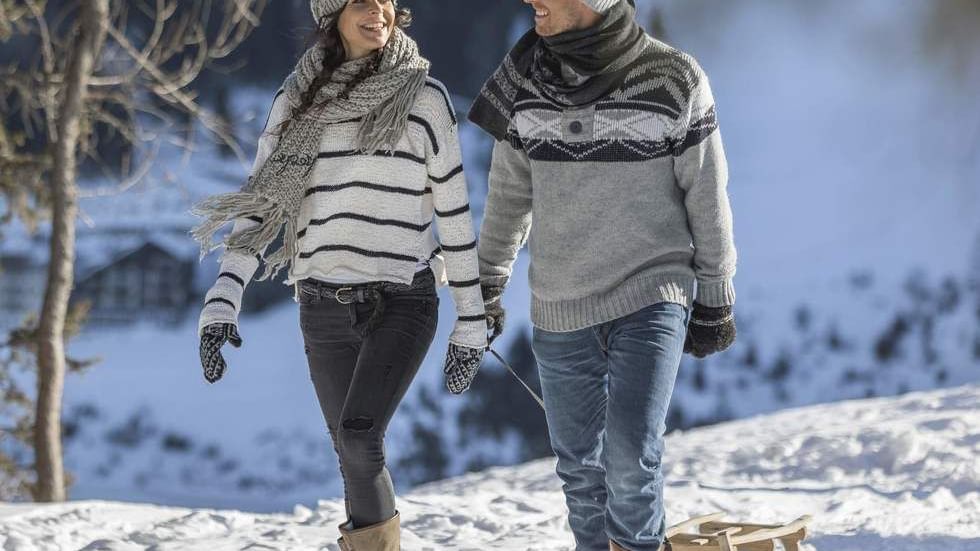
pixel 369 217
pixel 639 121
pixel 629 196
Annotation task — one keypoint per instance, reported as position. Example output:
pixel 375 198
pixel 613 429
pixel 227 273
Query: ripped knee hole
pixel 359 424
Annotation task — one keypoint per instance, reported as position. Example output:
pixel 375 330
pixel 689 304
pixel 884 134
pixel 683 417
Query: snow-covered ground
pixel 854 233
pixel 895 474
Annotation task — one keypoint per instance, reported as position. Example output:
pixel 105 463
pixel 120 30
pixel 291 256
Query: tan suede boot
pixel 340 541
pixel 384 536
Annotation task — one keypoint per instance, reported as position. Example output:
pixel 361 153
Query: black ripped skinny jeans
pixel 361 372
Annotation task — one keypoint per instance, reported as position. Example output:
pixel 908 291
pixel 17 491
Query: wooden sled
pixel 710 533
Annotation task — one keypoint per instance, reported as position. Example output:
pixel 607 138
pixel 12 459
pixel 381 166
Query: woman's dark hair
pixel 328 38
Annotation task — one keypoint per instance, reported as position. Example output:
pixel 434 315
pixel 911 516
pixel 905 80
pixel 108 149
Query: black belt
pixel 376 291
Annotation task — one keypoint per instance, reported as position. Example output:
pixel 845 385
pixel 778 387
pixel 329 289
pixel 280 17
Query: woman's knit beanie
pixel 325 9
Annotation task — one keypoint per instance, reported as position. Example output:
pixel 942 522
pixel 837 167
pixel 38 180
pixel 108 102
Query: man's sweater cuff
pixel 716 293
pixel 494 281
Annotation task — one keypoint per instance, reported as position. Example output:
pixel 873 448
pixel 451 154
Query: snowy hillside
pixel 859 276
pixel 896 474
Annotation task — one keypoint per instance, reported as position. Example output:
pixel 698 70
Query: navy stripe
pixel 469 283
pixel 481 317
pixel 369 220
pixel 396 154
pixel 435 251
pixel 445 97
pixel 232 277
pixel 411 118
pixel 493 92
pixel 357 250
pixel 256 219
pixel 454 212
pixel 447 177
pixel 531 104
pixel 459 248
pixel 698 132
pixel 367 185
pixel 432 135
pixel 221 300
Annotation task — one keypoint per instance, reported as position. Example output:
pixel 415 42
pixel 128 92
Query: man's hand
pixel 212 339
pixel 710 330
pixel 494 308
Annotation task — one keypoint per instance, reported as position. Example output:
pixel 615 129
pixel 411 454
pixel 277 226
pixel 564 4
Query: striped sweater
pixel 369 217
pixel 628 197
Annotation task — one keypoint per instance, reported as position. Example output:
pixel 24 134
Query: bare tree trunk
pixel 93 17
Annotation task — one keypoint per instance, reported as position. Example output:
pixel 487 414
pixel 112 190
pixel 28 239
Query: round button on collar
pixel 575 127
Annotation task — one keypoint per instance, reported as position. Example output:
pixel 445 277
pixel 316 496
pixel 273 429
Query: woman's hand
pixel 462 363
pixel 213 338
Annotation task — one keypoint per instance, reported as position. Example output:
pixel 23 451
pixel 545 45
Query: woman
pixel 359 154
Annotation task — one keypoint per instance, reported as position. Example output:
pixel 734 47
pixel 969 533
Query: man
pixel 607 139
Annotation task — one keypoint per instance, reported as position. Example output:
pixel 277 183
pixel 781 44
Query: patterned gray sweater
pixel 369 217
pixel 627 196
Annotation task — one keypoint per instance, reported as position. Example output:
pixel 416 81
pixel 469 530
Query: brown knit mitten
pixel 494 308
pixel 710 330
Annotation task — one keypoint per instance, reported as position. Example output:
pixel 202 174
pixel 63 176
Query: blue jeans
pixel 606 389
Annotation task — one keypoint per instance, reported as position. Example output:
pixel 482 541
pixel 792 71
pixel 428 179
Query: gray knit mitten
pixel 710 330
pixel 213 338
pixel 462 363
pixel 494 309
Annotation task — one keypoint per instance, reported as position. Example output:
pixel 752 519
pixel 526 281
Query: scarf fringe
pixel 381 128
pixel 222 209
pixel 276 261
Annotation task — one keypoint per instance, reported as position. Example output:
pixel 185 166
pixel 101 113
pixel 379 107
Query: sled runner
pixel 710 533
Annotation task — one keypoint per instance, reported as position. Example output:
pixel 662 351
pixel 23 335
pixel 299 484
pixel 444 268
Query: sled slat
pixel 718 526
pixel 692 523
pixel 795 530
pixel 725 539
pixel 766 545
pixel 713 534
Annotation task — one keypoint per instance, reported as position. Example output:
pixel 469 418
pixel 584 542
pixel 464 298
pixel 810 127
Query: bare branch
pixel 165 89
pixel 180 39
pixel 135 177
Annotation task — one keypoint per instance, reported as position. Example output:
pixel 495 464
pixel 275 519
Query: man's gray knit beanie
pixel 325 8
pixel 601 6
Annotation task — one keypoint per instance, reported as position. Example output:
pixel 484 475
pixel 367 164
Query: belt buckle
pixel 336 295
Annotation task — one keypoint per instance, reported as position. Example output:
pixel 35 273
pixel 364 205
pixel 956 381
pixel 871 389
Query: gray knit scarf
pixel 571 69
pixel 275 192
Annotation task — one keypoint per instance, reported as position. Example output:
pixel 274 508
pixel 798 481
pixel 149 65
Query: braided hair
pixel 328 37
